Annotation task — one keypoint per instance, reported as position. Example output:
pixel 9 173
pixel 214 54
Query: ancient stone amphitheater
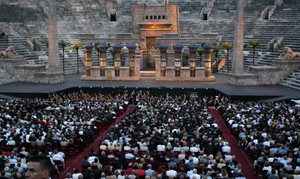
pixel 93 20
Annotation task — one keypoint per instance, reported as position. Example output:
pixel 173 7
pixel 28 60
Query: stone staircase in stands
pixel 41 57
pixel 293 80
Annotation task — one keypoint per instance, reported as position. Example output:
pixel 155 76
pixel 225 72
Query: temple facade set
pixel 168 64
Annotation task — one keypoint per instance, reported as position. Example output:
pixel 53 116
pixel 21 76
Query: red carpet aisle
pixel 75 162
pixel 241 157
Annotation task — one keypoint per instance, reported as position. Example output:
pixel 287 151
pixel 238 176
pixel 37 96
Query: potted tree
pixel 63 44
pixel 253 44
pixel 228 46
pixel 77 46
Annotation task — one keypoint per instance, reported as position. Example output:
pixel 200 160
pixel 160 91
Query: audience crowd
pixel 164 136
pixel 56 126
pixel 270 134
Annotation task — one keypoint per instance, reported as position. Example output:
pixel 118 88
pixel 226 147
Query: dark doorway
pixel 151 50
pixel 113 17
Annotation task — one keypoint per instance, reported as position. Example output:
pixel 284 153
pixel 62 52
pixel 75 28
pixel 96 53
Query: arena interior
pixel 148 128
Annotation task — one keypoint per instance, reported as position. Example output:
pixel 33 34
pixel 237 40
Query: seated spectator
pixel 2 34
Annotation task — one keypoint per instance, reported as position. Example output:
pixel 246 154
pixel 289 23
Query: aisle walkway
pixel 241 157
pixel 75 162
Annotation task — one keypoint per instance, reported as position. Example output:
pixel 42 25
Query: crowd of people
pixel 164 136
pixel 270 134
pixel 50 126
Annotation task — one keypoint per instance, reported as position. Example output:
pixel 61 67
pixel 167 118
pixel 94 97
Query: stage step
pixel 147 74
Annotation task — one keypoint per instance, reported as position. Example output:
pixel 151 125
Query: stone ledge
pixel 49 77
pixel 98 78
pixel 244 79
pixel 187 79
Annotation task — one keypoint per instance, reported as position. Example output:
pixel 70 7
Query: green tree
pixel 63 44
pixel 228 46
pixel 200 53
pixel 77 46
pixel 253 44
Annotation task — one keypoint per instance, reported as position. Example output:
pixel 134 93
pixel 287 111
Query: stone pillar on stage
pixel 88 59
pixel 117 54
pixel 163 53
pixel 102 60
pixel 238 48
pixel 131 49
pixel 54 73
pixel 207 59
pixel 177 62
pixel 192 59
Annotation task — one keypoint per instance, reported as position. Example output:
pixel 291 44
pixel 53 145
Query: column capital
pixel 163 48
pixel 131 48
pixel 207 48
pixel 117 48
pixel 178 48
pixel 103 48
pixel 193 48
pixel 88 47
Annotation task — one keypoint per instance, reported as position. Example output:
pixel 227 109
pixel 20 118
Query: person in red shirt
pixel 140 172
pixel 128 171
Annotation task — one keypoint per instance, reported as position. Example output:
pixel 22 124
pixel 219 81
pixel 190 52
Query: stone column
pixel 131 49
pixel 177 62
pixel 192 59
pixel 207 59
pixel 238 47
pixel 117 51
pixel 102 60
pixel 88 59
pixel 53 59
pixel 163 54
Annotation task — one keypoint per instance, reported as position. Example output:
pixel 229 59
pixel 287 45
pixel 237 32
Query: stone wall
pixel 23 72
pixel 265 75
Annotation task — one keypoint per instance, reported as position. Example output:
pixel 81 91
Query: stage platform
pixel 271 92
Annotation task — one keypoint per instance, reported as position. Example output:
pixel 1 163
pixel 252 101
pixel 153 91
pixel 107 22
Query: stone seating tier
pixel 292 80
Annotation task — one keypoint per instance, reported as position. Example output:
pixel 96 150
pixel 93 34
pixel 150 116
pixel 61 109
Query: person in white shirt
pixel 161 148
pixel 195 175
pixel 59 157
pixel 129 156
pixel 226 148
pixel 171 173
pixel 195 149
